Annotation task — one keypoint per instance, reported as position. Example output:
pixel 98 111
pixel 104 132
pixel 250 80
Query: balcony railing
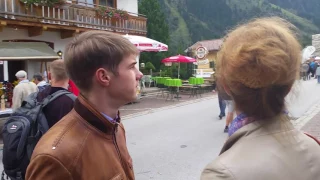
pixel 79 15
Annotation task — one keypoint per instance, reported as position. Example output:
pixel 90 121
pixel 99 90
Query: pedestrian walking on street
pixel 313 67
pixel 222 107
pixel 62 105
pixel 318 74
pixel 305 70
pixel 39 81
pixel 258 65
pixel 90 141
pixel 229 104
pixel 222 103
pixel 23 89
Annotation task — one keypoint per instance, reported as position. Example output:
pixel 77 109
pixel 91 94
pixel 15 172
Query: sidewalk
pixel 310 121
pixel 313 126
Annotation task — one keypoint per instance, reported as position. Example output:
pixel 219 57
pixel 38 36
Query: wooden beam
pixel 2 23
pixel 36 31
pixel 61 27
pixel 68 33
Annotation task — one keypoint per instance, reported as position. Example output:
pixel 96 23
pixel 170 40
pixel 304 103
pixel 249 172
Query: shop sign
pixel 202 62
pixel 204 74
pixel 201 52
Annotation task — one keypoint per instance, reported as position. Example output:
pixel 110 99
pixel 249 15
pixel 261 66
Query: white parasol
pixel 145 44
pixel 307 52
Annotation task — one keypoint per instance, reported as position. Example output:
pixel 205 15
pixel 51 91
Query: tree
pixel 149 66
pixel 157 29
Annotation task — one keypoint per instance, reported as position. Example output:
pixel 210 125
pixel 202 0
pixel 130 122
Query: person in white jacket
pixel 22 90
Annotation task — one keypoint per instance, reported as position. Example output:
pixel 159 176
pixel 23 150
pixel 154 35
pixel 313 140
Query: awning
pixel 26 51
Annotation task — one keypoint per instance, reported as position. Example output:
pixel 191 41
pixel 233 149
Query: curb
pixel 167 107
pixel 306 117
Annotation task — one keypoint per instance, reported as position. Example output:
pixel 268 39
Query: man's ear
pixel 103 77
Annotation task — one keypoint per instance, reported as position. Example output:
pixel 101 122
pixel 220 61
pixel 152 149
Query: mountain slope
pixel 194 20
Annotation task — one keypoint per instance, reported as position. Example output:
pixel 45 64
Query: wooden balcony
pixel 70 18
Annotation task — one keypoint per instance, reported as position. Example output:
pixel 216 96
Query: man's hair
pixel 92 50
pixel 38 76
pixel 58 71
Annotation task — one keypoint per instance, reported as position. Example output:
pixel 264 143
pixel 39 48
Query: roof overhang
pixel 14 51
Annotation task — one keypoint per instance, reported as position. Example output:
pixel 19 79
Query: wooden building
pixel 55 25
pixel 206 53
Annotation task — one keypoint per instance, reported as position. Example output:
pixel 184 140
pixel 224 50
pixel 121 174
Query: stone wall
pixel 316 44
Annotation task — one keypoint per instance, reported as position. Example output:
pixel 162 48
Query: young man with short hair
pixel 63 104
pixel 90 142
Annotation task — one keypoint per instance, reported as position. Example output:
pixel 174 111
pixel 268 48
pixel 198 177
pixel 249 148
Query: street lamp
pixel 59 53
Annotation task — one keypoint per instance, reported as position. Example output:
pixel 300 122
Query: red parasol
pixel 179 59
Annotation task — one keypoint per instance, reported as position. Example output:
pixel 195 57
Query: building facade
pixel 57 24
pixel 316 44
pixel 206 53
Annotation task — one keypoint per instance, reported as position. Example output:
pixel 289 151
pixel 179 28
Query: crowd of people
pixel 25 87
pixel 256 68
pixel 311 69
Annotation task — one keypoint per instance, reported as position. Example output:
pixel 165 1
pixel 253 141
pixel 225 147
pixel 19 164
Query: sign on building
pixel 202 62
pixel 316 44
pixel 201 52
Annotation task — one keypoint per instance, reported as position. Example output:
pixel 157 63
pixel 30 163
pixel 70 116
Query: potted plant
pixel 113 14
pixel 50 3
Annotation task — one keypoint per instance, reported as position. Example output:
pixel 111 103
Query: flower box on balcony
pixel 116 14
pixel 50 3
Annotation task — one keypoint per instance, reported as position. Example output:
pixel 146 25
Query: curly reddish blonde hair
pixel 258 64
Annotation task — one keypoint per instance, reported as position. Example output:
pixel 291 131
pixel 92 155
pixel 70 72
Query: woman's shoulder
pixel 248 158
pixel 216 170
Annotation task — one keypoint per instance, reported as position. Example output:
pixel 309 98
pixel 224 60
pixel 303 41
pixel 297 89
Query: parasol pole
pixel 179 71
pixel 178 78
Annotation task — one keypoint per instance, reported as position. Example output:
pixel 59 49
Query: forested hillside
pixel 193 20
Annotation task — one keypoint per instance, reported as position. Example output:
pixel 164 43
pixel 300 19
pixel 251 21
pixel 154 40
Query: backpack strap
pixel 55 95
pixel 314 138
pixel 71 96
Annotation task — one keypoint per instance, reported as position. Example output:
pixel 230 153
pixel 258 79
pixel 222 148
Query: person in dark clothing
pixel 227 101
pixel 222 106
pixel 61 106
pixel 313 68
pixel 39 81
pixel 222 103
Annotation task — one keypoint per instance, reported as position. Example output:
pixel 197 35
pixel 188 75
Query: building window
pixel 212 64
pixel 103 2
pixel 109 3
pixel 88 3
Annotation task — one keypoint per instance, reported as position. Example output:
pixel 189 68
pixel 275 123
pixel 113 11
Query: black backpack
pixel 22 131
